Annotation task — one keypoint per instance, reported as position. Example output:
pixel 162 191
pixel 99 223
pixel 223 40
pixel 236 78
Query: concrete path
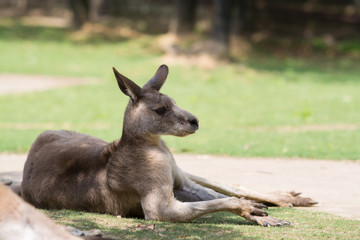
pixel 334 184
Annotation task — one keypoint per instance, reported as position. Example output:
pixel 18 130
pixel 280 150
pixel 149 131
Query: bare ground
pixel 335 184
pixel 16 83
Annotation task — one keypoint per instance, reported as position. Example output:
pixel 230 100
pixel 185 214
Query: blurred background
pixel 299 26
pixel 266 78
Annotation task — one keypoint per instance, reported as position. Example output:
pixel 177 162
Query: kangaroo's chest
pixel 157 168
pixel 160 161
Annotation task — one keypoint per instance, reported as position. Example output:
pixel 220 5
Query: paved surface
pixel 334 184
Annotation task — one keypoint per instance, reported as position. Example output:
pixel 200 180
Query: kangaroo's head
pixel 150 112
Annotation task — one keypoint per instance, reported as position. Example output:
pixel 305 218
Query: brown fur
pixel 133 176
pixel 19 220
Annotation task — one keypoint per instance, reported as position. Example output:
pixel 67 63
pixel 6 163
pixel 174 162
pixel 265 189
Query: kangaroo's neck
pixel 139 140
pixel 136 142
pixel 132 157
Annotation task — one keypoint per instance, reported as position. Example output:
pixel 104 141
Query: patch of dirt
pixel 308 128
pixel 16 83
pixel 334 184
pixel 49 125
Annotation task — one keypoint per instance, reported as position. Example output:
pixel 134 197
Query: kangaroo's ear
pixel 127 86
pixel 158 79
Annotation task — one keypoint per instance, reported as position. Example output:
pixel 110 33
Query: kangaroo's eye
pixel 161 111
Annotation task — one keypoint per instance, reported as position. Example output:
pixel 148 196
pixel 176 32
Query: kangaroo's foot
pixel 290 199
pixel 253 211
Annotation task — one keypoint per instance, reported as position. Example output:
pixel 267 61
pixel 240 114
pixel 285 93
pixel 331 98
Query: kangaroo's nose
pixel 194 121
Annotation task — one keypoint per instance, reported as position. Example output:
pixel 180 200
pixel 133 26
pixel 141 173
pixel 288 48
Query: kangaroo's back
pixel 63 161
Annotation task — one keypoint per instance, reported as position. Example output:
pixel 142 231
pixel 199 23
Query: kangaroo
pixel 21 221
pixel 136 175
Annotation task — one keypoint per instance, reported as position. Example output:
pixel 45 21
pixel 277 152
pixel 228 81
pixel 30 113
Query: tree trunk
pixel 184 15
pixel 221 27
pixel 95 8
pixel 80 10
pixel 239 17
pixel 357 6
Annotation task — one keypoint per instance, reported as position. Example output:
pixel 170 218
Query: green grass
pixel 306 225
pixel 242 107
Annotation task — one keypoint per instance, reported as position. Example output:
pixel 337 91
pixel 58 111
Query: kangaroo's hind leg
pixel 282 199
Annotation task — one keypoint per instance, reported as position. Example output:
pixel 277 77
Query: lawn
pixel 264 106
pixel 306 225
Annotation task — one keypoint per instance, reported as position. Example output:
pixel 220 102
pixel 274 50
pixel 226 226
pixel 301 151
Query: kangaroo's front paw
pixel 253 211
pixel 291 199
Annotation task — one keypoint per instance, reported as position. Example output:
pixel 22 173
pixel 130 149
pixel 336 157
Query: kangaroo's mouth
pixel 193 128
pixel 191 132
pixel 186 132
